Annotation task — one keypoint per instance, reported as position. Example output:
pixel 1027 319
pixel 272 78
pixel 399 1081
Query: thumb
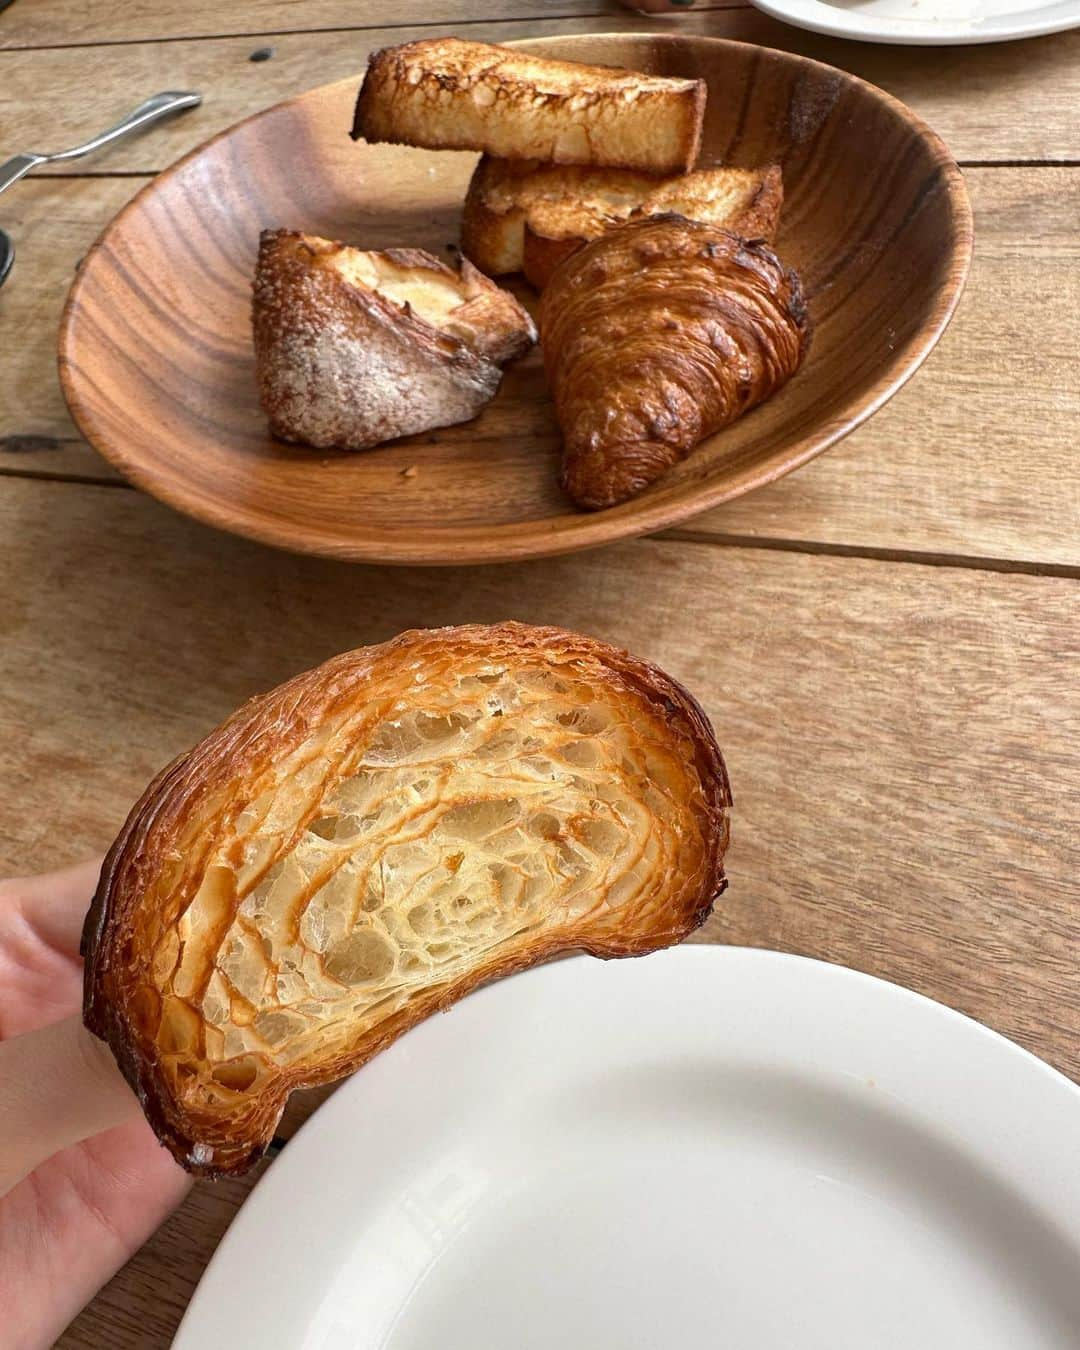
pixel 58 1085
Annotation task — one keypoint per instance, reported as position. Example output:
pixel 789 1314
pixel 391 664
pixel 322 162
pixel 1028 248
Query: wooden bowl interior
pixel 156 348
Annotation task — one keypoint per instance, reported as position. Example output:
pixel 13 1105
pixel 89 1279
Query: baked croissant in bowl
pixel 363 845
pixel 656 335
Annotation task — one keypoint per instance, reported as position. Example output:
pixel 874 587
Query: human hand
pixel 83 1181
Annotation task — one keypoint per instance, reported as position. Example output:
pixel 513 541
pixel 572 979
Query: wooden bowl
pixel 155 343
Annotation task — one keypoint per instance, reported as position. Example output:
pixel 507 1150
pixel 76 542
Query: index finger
pixel 53 905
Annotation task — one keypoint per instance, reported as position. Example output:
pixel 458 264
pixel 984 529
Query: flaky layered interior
pixel 509 806
pixel 348 853
pixel 432 295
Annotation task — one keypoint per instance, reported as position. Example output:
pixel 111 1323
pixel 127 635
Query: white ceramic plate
pixel 712 1147
pixel 927 23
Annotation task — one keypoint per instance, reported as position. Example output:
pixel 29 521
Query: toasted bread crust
pixel 528 217
pixel 449 94
pixel 541 256
pixel 548 242
pixel 493 229
pixel 656 335
pixel 760 216
pixel 341 364
pixel 491 320
pixel 203 853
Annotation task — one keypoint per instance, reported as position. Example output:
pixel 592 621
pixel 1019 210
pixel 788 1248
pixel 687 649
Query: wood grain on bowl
pixel 155 346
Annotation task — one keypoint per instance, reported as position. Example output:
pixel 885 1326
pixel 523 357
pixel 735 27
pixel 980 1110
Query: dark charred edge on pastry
pixel 100 1016
pixel 796 304
pixel 375 60
pixel 799 310
pixel 700 98
pixel 665 695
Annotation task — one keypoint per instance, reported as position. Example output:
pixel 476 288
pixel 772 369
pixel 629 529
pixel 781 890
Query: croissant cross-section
pixel 363 845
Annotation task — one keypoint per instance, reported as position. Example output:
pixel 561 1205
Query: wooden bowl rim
pixel 549 535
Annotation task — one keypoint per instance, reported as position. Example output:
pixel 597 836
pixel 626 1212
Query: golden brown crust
pixel 760 216
pixel 451 94
pixel 491 320
pixel 493 238
pixel 243 942
pixel 742 201
pixel 528 217
pixel 342 363
pixel 541 256
pixel 656 335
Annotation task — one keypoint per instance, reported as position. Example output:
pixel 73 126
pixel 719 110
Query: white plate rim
pixel 819 17
pixel 1023 1120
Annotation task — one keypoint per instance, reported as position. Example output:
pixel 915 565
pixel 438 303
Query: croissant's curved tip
pixel 597 478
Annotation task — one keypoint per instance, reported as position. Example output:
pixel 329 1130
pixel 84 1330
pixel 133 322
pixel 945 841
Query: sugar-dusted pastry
pixel 656 335
pixel 365 844
pixel 353 348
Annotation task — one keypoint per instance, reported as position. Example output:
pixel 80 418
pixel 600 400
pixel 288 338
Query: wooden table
pixel 888 641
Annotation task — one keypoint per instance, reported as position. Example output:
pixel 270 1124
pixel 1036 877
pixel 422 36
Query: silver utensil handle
pixel 161 105
pixel 15 168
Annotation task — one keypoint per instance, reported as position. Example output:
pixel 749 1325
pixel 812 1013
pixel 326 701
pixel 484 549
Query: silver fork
pixel 161 105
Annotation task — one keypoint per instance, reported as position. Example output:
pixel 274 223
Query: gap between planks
pixel 1066 163
pixel 85 479
pixel 970 562
pixel 962 163
pixel 219 66
pixel 454 24
pixel 763 543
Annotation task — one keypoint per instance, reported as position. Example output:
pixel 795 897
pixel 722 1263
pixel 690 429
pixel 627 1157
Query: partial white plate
pixel 927 23
pixel 708 1147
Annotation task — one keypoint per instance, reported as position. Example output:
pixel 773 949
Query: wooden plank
pixel 1041 78
pixel 52 223
pixel 903 740
pixel 45 23
pixel 941 469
